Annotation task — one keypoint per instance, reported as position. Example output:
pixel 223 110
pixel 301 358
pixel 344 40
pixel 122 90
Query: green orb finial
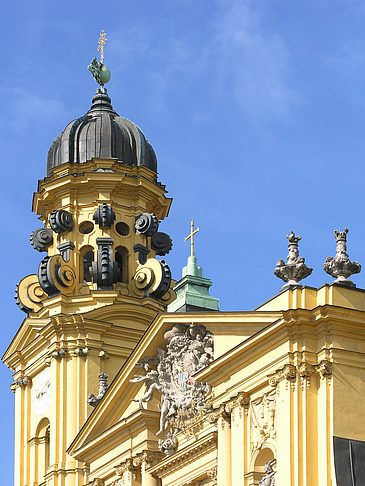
pixel 100 72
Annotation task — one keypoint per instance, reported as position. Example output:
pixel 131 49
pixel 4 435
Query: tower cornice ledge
pixel 58 191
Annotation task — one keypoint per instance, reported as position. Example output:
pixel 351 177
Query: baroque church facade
pixel 123 376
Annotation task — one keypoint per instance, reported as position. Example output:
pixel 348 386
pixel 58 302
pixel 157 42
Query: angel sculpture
pixel 152 382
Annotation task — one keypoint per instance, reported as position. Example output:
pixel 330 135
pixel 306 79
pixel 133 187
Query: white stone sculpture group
pixel 170 372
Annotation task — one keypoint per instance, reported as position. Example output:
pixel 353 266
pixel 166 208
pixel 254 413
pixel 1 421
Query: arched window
pixel 121 257
pixel 41 442
pixel 86 259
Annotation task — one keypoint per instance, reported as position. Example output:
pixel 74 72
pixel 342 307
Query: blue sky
pixel 256 111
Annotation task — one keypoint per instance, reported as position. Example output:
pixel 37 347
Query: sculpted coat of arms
pixel 170 372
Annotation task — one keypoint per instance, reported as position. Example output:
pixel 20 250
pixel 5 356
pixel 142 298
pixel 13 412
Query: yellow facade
pixel 284 381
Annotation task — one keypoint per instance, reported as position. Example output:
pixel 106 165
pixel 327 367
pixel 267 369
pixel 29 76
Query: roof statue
pixel 341 267
pixel 100 72
pixel 294 269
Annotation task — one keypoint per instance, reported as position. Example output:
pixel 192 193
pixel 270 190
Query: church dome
pixel 101 133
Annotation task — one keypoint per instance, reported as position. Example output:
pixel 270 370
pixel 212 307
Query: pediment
pixel 120 402
pixel 27 333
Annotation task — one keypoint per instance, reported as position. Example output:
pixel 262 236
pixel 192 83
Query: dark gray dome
pixel 101 133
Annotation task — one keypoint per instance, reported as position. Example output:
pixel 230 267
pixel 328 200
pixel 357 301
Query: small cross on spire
pixel 191 236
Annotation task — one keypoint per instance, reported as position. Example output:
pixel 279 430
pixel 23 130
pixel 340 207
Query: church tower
pixel 98 286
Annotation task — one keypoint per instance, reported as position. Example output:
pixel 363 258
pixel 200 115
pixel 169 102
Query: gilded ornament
pixel 191 237
pixel 100 72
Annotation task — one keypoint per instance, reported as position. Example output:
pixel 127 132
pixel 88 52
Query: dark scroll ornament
pixel 161 243
pixel 154 277
pixel 104 216
pixel 146 224
pixel 56 276
pixel 105 271
pixel 29 294
pixel 61 221
pixel 142 251
pixel 41 239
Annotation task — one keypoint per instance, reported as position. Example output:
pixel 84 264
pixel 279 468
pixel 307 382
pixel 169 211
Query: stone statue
pixel 170 373
pixel 341 267
pixel 103 386
pixel 294 269
pixel 268 479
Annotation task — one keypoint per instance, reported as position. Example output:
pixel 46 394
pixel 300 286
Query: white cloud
pixel 25 108
pixel 253 62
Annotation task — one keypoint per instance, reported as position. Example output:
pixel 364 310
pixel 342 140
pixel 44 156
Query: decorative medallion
pixel 104 216
pixel 41 239
pixel 170 373
pixel 61 221
pixel 161 243
pixel 146 224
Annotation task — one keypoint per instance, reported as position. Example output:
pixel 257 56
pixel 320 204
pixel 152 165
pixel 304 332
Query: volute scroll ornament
pixel 56 276
pixel 161 243
pixel 29 294
pixel 41 239
pixel 61 221
pixel 154 277
pixel 146 224
pixel 341 267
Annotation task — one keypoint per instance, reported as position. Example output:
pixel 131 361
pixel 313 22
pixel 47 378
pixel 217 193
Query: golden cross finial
pixel 192 233
pixel 102 41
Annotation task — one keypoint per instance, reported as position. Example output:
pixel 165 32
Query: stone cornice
pixel 291 325
pixel 112 436
pixel 70 179
pixel 132 463
pixel 224 410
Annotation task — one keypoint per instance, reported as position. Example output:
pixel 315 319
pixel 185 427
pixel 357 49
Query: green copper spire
pixel 192 291
pixel 100 72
